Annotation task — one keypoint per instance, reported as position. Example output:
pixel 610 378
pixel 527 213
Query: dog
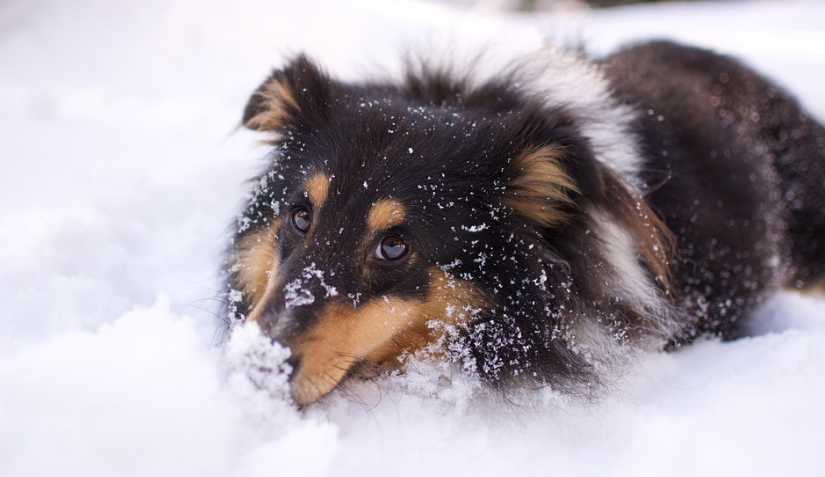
pixel 524 221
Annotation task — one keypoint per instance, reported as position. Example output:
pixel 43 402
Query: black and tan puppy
pixel 526 222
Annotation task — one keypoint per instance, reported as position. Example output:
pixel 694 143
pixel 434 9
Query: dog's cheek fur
pixel 378 332
pixel 254 260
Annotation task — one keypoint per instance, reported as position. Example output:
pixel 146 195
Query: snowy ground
pixel 121 169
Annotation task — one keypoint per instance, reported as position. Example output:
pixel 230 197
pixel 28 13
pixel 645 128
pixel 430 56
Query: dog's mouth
pixel 313 379
pixel 319 368
pixel 307 387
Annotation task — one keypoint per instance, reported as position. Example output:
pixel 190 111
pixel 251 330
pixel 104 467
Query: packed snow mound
pixel 123 169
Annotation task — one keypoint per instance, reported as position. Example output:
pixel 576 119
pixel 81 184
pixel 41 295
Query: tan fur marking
pixel 258 259
pixel 652 236
pixel 376 333
pixel 656 245
pixel 814 289
pixel 542 185
pixel 384 214
pixel 277 101
pixel 317 188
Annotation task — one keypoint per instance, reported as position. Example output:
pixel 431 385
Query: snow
pixel 122 170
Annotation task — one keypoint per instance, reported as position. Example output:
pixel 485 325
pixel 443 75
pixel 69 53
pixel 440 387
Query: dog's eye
pixel 301 219
pixel 391 247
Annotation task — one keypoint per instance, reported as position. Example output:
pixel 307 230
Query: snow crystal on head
pixel 297 293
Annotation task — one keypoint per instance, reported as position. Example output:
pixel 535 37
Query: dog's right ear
pixel 288 97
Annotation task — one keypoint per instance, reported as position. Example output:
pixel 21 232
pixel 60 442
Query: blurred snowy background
pixel 122 169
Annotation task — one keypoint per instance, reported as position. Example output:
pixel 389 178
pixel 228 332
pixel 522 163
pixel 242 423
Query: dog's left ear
pixel 288 98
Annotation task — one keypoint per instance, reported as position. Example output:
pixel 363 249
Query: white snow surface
pixel 122 171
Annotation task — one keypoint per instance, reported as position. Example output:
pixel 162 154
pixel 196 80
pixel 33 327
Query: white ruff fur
pixel 564 78
pixel 630 280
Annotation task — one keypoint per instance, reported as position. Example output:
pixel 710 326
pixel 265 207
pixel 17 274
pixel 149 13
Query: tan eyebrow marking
pixel 384 214
pixel 317 188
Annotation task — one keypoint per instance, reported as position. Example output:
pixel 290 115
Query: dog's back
pixel 737 171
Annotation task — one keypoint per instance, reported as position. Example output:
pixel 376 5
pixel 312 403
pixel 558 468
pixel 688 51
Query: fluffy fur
pixel 523 222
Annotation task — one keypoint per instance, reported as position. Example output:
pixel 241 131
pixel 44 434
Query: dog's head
pixel 391 211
